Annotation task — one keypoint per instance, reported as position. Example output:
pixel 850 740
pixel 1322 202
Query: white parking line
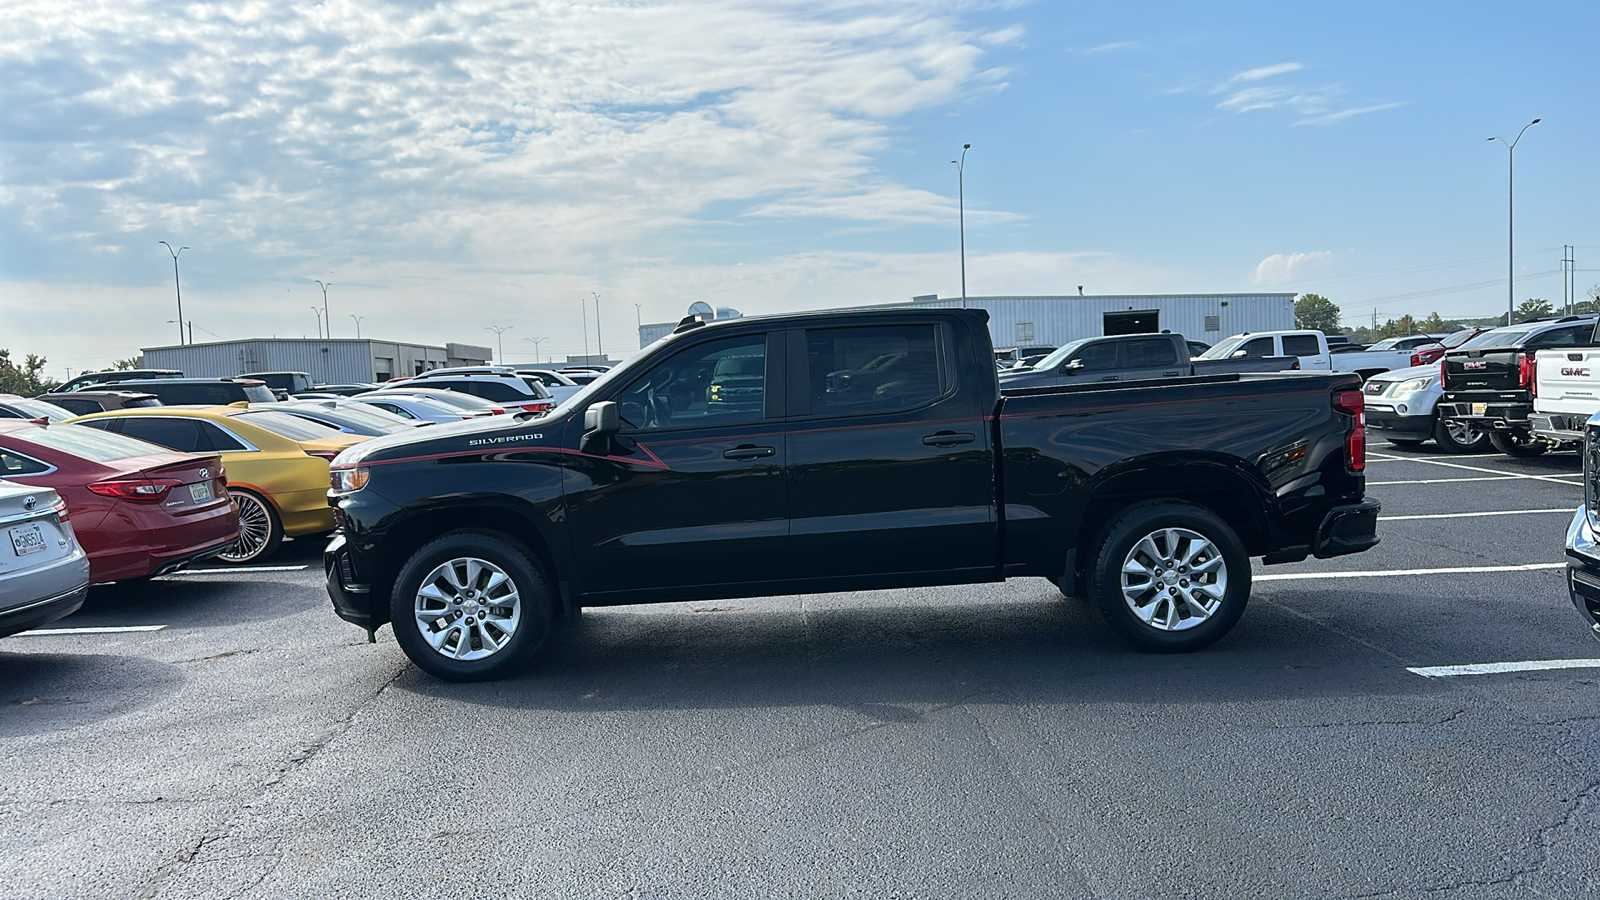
pixel 1473 515
pixel 109 629
pixel 1500 472
pixel 232 571
pixel 1391 573
pixel 1497 668
pixel 1446 480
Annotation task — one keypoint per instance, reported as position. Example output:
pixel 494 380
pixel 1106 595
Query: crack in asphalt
pixel 304 754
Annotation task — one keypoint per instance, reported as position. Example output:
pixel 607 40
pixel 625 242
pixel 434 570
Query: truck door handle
pixel 748 451
pixel 949 439
pixel 1112 378
pixel 1171 373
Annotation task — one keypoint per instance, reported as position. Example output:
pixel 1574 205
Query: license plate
pixel 200 492
pixel 27 539
pixel 1479 409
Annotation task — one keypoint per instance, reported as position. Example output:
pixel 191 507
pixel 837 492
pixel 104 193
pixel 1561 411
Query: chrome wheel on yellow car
pixel 260 532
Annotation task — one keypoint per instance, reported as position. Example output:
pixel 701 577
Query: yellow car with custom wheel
pixel 277 464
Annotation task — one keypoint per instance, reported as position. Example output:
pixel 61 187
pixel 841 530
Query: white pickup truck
pixel 1312 349
pixel 1566 392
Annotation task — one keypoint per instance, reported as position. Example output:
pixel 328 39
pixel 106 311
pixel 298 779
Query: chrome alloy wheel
pixel 1174 579
pixel 1464 433
pixel 467 608
pixel 255 528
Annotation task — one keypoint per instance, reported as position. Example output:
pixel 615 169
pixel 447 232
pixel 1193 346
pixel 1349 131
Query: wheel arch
pixel 503 516
pixel 1224 485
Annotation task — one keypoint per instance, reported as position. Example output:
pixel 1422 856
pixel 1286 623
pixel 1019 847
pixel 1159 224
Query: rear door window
pixel 1301 345
pixel 1146 353
pixel 874 369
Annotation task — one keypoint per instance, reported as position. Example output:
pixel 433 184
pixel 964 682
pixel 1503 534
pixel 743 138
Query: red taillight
pixel 540 407
pixel 139 490
pixel 1416 359
pixel 323 454
pixel 1525 372
pixel 1352 403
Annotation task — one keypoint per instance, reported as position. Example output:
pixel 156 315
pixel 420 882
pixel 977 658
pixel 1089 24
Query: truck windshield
pixel 1060 355
pixel 1222 348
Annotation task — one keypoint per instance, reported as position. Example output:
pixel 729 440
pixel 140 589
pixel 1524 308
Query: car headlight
pixel 1412 385
pixel 348 481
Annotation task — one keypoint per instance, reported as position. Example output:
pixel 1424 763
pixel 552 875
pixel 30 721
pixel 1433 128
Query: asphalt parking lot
pixel 1419 720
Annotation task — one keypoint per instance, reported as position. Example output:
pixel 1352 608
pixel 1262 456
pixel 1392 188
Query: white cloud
pixel 1281 268
pixel 1341 115
pixel 1265 72
pixel 1114 46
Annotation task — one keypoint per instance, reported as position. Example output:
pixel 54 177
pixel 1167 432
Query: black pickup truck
pixel 1132 357
pixel 1148 497
pixel 1488 381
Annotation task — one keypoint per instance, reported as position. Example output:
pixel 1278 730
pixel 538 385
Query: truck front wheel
pixel 1170 577
pixel 470 606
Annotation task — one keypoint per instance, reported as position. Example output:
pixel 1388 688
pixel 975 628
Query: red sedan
pixel 138 509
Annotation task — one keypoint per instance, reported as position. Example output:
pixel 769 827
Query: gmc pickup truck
pixel 649 486
pixel 1489 381
pixel 1130 357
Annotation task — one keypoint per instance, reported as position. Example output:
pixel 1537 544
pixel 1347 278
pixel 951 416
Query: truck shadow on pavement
pixel 901 656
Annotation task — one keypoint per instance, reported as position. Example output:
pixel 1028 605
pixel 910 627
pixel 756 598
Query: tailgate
pixel 200 483
pixel 1568 381
pixel 1483 370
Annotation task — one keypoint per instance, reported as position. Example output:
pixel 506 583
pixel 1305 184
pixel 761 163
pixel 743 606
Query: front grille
pixel 1591 472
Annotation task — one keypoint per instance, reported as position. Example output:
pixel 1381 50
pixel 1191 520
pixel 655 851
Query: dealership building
pixel 1050 321
pixel 326 360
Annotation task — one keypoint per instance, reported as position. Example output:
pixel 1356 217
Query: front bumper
pixel 1387 421
pixel 1583 570
pixel 352 597
pixel 1348 529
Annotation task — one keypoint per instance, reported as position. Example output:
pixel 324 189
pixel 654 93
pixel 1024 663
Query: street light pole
pixel 600 345
pixel 358 324
pixel 584 305
pixel 535 342
pixel 325 305
pixel 961 199
pixel 1511 218
pixel 318 314
pixel 177 285
pixel 500 356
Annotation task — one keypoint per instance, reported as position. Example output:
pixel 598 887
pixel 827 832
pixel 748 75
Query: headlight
pixel 1412 385
pixel 347 481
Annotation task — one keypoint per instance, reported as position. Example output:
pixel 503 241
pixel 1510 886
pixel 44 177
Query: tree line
pixel 1314 311
pixel 29 380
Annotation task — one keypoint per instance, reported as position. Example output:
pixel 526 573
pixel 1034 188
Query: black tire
pixel 463 631
pixel 1518 444
pixel 260 529
pixel 1206 613
pixel 1405 442
pixel 1450 437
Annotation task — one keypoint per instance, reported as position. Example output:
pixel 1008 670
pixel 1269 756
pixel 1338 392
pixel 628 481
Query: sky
pixel 449 168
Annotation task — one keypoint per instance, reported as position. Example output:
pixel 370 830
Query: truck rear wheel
pixel 1459 437
pixel 470 606
pixel 1170 577
pixel 1517 443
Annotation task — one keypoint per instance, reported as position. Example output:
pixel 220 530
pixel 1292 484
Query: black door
pixel 693 492
pixel 890 468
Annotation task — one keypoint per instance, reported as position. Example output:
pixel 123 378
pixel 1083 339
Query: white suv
pixel 503 387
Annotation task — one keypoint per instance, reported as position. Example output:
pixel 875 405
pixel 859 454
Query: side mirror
pixel 1073 367
pixel 1237 354
pixel 600 422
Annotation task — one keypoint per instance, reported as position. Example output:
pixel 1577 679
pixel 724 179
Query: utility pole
pixel 358 324
pixel 584 305
pixel 600 345
pixel 961 199
pixel 535 342
pixel 1511 217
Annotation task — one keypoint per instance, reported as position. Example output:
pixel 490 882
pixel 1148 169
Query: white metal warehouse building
pixel 1054 320
pixel 326 360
